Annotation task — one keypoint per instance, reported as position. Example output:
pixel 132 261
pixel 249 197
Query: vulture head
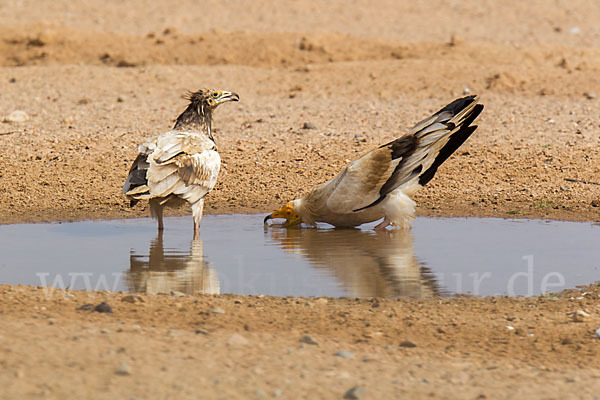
pixel 288 211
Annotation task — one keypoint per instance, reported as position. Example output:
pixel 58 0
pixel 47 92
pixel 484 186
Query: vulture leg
pixel 156 209
pixel 382 225
pixel 197 209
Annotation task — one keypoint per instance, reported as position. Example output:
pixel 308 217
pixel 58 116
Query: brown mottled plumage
pixel 181 164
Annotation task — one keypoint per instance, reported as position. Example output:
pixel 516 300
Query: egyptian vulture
pixel 380 183
pixel 181 164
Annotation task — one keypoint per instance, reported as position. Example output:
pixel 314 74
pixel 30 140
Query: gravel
pixel 355 393
pixel 123 370
pixel 309 340
pixel 344 354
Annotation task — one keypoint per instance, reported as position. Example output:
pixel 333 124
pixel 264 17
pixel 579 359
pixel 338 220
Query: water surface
pixel 236 254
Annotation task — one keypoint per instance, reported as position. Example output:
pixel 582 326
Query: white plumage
pixel 380 183
pixel 181 164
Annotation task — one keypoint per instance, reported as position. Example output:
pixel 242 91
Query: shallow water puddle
pixel 236 254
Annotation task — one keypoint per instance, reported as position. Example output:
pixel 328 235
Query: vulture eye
pixel 288 212
pixel 215 95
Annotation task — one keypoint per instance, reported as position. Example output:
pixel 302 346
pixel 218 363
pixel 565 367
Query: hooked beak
pixel 289 222
pixel 228 96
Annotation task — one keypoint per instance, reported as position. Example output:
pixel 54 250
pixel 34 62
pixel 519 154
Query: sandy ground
pixel 96 78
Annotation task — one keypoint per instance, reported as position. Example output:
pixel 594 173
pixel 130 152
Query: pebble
pixel 132 299
pixel 173 332
pixel 86 307
pixel 123 370
pixel 105 331
pixel 201 331
pixel 322 301
pixel 466 91
pixel 277 392
pixel 407 343
pixel 344 354
pixel 16 116
pixel 580 316
pixel 590 95
pixel 597 334
pixel 121 98
pixel 175 293
pixel 308 340
pixel 355 393
pixel 309 125
pixel 237 340
pixel 103 308
pixel 217 310
pixel 595 203
pixel 575 30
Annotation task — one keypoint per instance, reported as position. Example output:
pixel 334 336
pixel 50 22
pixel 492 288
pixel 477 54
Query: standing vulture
pixel 181 164
pixel 379 184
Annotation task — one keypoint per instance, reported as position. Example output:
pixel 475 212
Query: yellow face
pixel 289 213
pixel 216 97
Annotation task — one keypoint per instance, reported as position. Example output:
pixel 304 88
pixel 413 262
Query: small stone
pixel 173 332
pixel 597 334
pixel 175 293
pixel 566 341
pixel 201 331
pixel 237 340
pixel 132 299
pixel 322 301
pixel 590 95
pixel 136 327
pixel 16 117
pixel 85 307
pixel 309 340
pixel 575 30
pixel 120 99
pixel 510 327
pixel 455 40
pixel 466 91
pixel 277 393
pixel 123 370
pixel 355 393
pixel 217 310
pixel 407 343
pixel 105 331
pixel 309 125
pixel 580 316
pixel 103 308
pixel 595 203
pixel 344 354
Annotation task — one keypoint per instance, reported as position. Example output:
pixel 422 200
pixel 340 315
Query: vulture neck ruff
pixel 197 117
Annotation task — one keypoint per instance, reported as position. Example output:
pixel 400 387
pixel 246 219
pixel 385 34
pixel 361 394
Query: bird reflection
pixel 164 272
pixel 367 263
